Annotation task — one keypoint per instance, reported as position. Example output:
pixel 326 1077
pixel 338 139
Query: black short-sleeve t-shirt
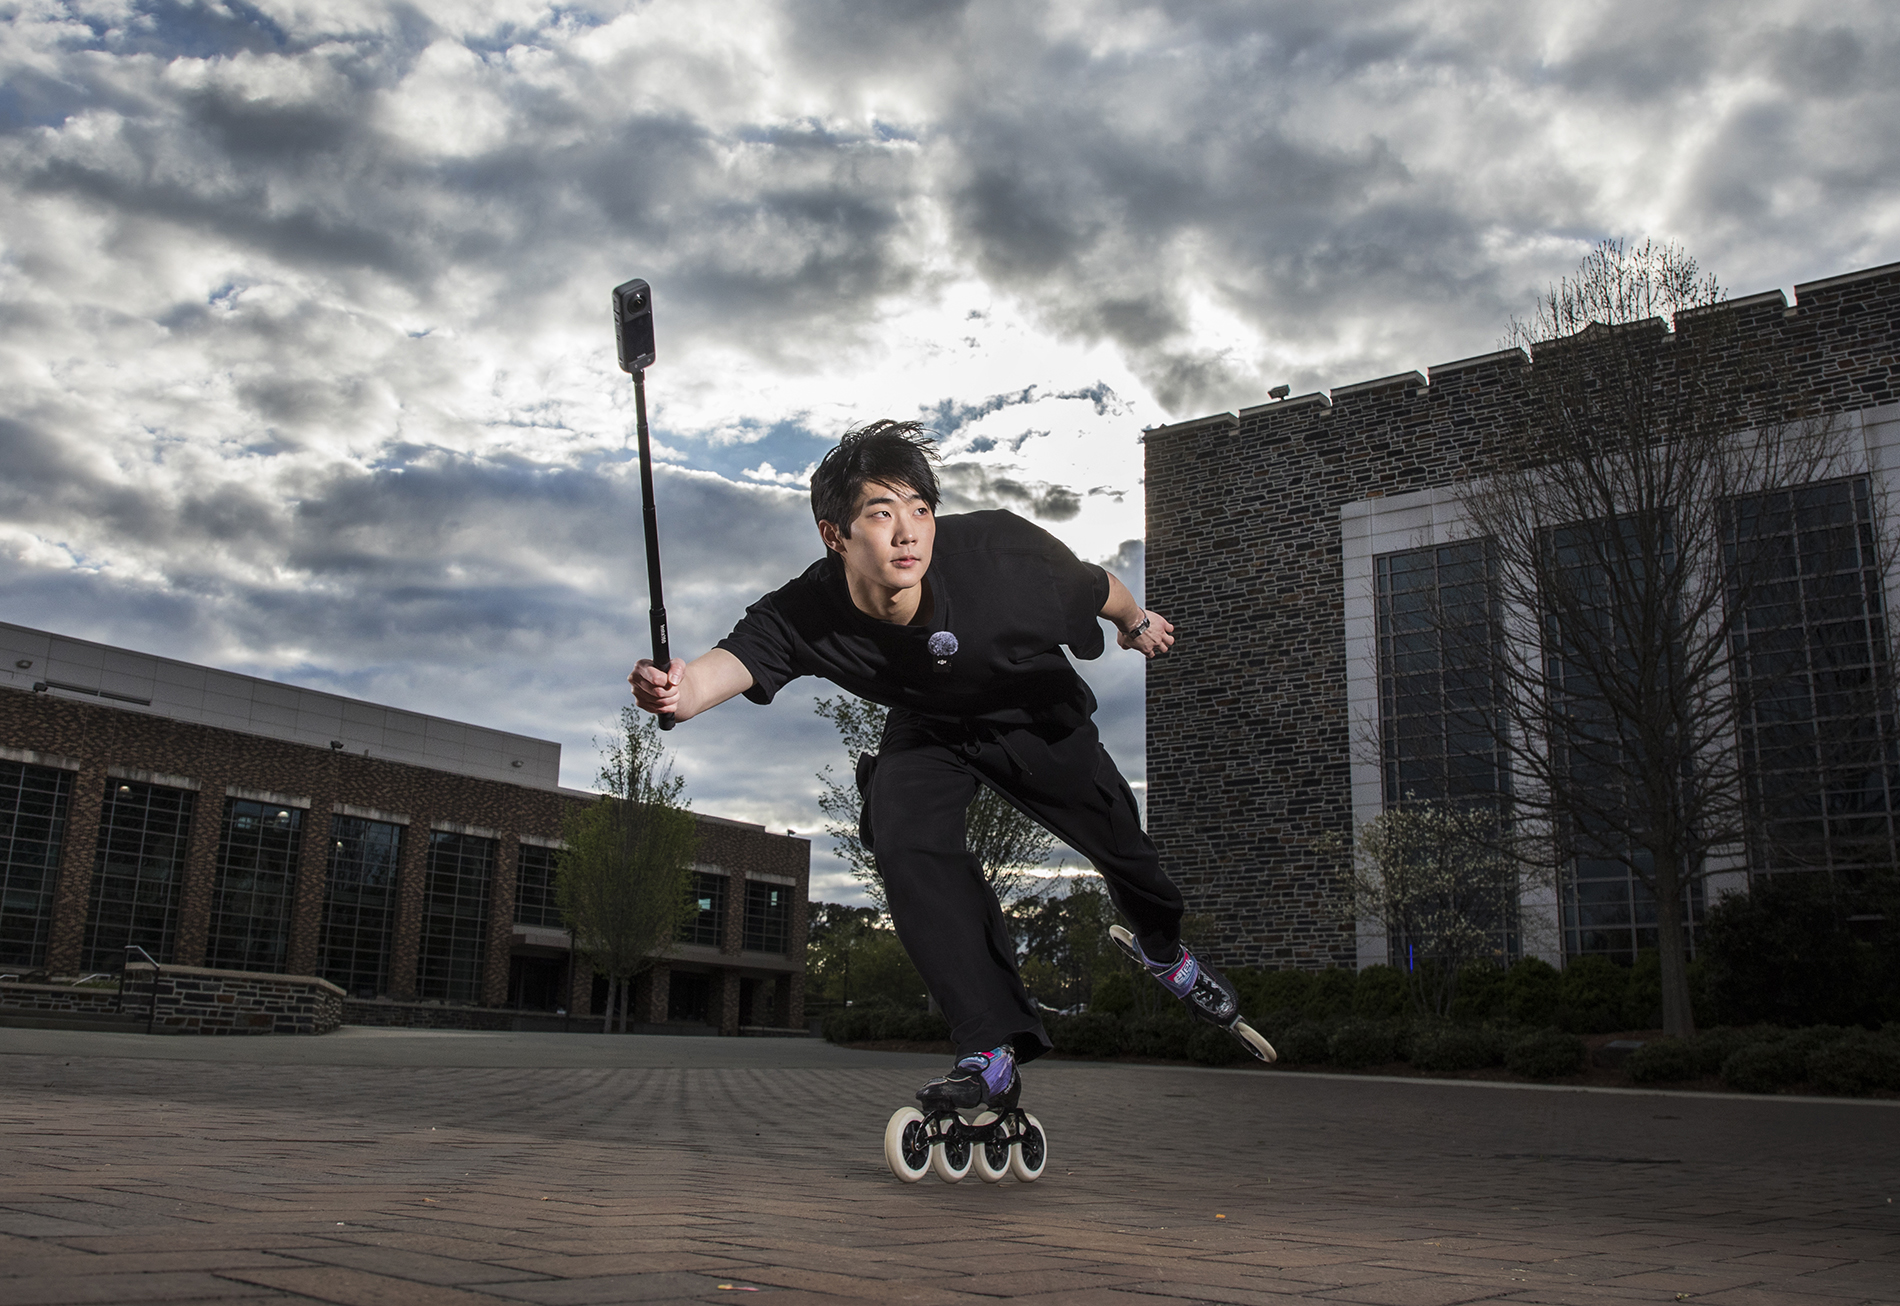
pixel 1011 593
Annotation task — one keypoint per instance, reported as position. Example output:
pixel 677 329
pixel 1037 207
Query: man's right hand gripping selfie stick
pixel 633 334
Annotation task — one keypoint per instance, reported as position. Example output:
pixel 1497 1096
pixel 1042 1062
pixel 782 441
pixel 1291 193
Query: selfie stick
pixel 633 336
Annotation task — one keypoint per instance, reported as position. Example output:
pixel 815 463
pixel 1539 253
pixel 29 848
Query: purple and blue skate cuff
pixel 998 1067
pixel 1178 978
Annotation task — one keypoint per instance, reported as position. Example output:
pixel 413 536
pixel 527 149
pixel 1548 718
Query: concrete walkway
pixel 379 1166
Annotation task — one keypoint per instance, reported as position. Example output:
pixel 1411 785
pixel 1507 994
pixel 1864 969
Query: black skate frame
pixel 942 1124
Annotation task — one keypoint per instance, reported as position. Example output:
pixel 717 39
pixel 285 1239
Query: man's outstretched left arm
pixel 1148 633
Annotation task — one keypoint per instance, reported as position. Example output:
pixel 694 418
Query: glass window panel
pixel 1818 733
pixel 1437 695
pixel 707 925
pixel 359 905
pixel 33 806
pixel 137 871
pixel 534 887
pixel 454 940
pixel 251 899
pixel 768 915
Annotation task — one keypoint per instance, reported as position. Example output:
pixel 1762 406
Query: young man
pixel 955 624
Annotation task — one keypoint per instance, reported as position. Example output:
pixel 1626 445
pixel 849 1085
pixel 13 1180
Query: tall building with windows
pixel 220 820
pixel 1311 554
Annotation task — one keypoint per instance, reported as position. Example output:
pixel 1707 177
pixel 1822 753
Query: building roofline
pixel 1309 400
pixel 1323 398
pixel 1514 354
pixel 1803 289
pixel 1412 378
pixel 1192 424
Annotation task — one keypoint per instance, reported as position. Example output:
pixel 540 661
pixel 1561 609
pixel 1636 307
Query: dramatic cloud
pixel 303 329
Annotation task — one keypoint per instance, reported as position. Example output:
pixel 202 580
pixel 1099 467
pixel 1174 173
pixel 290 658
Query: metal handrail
pixel 151 1017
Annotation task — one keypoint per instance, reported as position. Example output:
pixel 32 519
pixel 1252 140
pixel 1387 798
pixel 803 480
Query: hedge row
pixel 1764 1059
pixel 1830 1059
pixel 1353 1044
pixel 1590 996
pixel 878 1023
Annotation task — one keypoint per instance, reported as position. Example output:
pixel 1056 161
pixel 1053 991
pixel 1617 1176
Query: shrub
pixel 1642 1001
pixel 1531 992
pixel 1766 1067
pixel 1482 993
pixel 1455 1047
pixel 1360 1043
pixel 1213 1047
pixel 1305 1044
pixel 1275 989
pixel 1275 1024
pixel 1857 1063
pixel 1592 992
pixel 878 1022
pixel 1092 1034
pixel 1665 1061
pixel 1114 994
pixel 1379 994
pixel 1157 1036
pixel 1545 1054
pixel 1331 995
pixel 1713 1047
pixel 1780 954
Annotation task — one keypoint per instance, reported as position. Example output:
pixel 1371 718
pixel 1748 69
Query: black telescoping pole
pixel 650 519
pixel 633 337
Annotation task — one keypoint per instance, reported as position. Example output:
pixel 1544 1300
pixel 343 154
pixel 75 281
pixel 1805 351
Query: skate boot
pixel 969 1120
pixel 980 1081
pixel 1208 995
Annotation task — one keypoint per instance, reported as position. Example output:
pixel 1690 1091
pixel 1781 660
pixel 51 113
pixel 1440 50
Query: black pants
pixel 925 776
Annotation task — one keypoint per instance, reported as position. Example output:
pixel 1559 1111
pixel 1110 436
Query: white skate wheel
pixel 951 1158
pixel 990 1158
pixel 1028 1155
pixel 1256 1042
pixel 906 1146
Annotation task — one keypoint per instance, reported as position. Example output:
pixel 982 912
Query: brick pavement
pixel 478 1172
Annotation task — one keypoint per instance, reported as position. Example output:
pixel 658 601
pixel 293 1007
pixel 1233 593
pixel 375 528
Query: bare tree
pixel 1635 547
pixel 624 880
pixel 1003 840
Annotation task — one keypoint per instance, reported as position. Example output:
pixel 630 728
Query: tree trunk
pixel 613 1004
pixel 1672 950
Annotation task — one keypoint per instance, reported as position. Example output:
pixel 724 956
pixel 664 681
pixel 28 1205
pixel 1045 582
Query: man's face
pixel 892 531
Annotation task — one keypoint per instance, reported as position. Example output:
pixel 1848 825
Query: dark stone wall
pixel 194 1000
pixel 63 999
pixel 1248 737
pixel 100 738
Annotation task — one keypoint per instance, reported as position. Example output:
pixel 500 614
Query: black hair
pixel 887 452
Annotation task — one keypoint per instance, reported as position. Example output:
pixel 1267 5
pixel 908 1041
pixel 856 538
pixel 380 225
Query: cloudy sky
pixel 306 368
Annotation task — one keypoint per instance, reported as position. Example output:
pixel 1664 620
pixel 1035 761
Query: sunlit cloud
pixel 304 325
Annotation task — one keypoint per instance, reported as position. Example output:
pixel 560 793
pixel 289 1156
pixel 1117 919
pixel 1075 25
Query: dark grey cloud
pixel 303 309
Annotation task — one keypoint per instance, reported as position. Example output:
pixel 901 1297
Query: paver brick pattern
pixel 137 1180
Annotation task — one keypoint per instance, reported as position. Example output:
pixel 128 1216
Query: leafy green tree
pixel 1066 951
pixel 624 882
pixel 1003 840
pixel 852 959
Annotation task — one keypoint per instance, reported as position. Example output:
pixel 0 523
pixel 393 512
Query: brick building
pixel 222 820
pixel 1270 534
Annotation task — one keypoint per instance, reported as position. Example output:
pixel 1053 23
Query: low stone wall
pixel 198 1000
pixel 60 999
pixel 432 1015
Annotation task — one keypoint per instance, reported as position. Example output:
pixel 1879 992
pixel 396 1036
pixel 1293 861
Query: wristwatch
pixel 1138 629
